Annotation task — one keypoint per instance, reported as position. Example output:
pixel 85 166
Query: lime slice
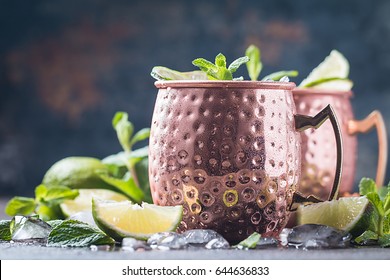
pixel 77 173
pixel 124 219
pixel 351 214
pixel 334 66
pixel 83 202
pixel 332 84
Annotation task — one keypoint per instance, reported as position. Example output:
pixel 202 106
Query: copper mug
pixel 229 152
pixel 318 146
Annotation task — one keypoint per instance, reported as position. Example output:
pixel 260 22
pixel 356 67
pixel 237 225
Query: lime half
pixel 83 202
pixel 334 66
pixel 352 214
pixel 124 219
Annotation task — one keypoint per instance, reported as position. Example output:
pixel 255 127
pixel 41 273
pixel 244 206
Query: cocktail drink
pixel 229 152
pixel 318 146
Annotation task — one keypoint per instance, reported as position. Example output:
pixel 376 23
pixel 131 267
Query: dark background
pixel 67 66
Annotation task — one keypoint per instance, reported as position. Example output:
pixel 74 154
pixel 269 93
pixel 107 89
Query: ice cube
pixel 132 244
pixel 167 241
pixel 311 236
pixel 29 229
pixel 267 242
pixel 284 79
pixel 200 236
pixel 283 236
pixel 217 243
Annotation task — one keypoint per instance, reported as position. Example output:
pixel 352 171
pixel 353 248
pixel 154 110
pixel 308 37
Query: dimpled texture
pixel 230 156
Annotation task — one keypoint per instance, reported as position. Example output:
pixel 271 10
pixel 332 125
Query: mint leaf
pixel 54 194
pixel 276 76
pixel 124 129
pixel 383 192
pixel 237 63
pixel 220 60
pixel 20 205
pixel 71 233
pixel 374 198
pixel 366 238
pixel 164 73
pixel 140 136
pixel 205 65
pixel 54 223
pixel 250 242
pixel 366 186
pixel 5 232
pixel 141 168
pixel 47 213
pixel 126 185
pixel 253 65
pixel 386 204
pixel 384 240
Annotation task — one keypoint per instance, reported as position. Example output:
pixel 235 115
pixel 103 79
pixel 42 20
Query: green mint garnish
pixel 71 233
pixel 45 204
pixel 254 65
pixel 5 232
pixel 379 229
pixel 218 71
pixel 166 74
pixel 276 76
pixel 250 242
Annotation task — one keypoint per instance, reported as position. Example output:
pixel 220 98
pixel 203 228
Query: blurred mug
pixel 229 153
pixel 318 146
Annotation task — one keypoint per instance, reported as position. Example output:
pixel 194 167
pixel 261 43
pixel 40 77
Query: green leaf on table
pixel 47 213
pixel 5 232
pixel 166 74
pixel 20 205
pixel 276 76
pixel 366 237
pixel 124 129
pixel 71 233
pixel 366 186
pixel 384 240
pixel 253 65
pixel 54 223
pixel 141 135
pixel 250 242
pixel 126 185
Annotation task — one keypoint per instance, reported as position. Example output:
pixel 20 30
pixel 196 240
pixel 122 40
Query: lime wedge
pixel 332 84
pixel 124 219
pixel 352 214
pixel 335 65
pixel 83 202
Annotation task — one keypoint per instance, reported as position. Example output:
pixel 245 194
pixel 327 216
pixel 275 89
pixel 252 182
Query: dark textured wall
pixel 67 66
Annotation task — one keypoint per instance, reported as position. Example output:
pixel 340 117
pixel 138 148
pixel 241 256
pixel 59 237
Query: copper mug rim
pixel 225 84
pixel 319 91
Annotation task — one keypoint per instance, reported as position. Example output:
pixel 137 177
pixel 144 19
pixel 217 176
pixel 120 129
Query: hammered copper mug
pixel 229 153
pixel 318 146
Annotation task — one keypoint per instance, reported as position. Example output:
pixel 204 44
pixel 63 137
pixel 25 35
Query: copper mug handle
pixel 363 126
pixel 303 122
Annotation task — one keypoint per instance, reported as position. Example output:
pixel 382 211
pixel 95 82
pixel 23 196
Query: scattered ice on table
pixel 201 236
pixel 29 229
pixel 132 244
pixel 267 242
pixel 283 236
pixel 311 236
pixel 217 243
pixel 284 79
pixel 101 247
pixel 84 216
pixel 167 241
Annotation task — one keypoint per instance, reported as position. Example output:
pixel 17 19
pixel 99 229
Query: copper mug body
pixel 229 152
pixel 319 146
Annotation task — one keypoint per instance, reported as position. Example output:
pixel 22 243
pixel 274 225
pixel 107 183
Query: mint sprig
pixel 379 228
pixel 45 204
pixel 218 71
pixel 250 242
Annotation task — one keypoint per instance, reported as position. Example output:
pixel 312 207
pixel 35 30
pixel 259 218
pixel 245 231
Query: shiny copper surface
pixel 318 146
pixel 228 152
